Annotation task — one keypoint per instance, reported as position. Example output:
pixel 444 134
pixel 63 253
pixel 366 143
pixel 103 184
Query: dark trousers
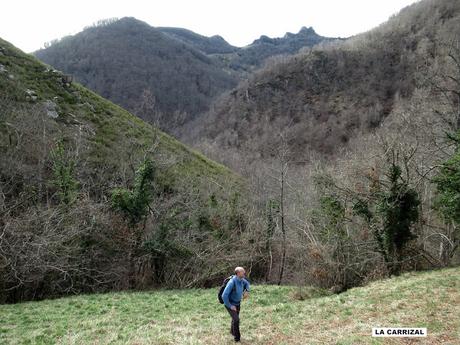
pixel 235 326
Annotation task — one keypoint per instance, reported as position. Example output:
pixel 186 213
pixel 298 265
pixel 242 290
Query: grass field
pixel 272 315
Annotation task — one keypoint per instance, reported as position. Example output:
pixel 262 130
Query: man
pixel 232 295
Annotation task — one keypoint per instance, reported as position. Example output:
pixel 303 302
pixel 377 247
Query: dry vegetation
pixel 318 133
pixel 321 98
pixel 64 152
pixel 341 147
pixel 166 76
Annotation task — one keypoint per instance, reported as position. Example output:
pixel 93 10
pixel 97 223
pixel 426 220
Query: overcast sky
pixel 29 24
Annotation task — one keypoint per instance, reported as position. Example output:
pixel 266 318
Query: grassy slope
pixel 270 316
pixel 112 124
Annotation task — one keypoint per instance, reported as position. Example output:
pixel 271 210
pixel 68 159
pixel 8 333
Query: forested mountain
pixel 254 55
pixel 322 97
pixel 166 76
pixel 349 153
pixel 159 78
pixel 353 148
pixel 93 198
pixel 208 45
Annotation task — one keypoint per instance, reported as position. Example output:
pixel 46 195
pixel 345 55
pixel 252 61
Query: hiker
pixel 236 289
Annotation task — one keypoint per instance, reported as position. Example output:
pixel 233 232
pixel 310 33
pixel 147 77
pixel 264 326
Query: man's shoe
pixel 237 340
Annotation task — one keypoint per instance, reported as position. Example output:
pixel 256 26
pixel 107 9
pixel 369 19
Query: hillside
pixel 164 75
pixel 208 45
pixel 254 55
pixel 159 78
pixel 321 98
pixel 272 315
pixel 65 150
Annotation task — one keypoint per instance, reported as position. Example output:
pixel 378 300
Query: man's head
pixel 240 272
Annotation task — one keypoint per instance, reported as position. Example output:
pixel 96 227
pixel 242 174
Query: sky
pixel 29 24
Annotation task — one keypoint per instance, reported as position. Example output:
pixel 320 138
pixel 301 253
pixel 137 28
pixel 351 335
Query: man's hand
pixel 233 308
pixel 246 294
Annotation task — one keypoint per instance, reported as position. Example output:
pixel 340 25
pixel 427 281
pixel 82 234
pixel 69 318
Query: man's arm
pixel 226 293
pixel 246 285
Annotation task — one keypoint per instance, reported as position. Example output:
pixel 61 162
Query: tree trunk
pixel 283 229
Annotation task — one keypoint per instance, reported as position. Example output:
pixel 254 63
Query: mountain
pixel 141 69
pixel 253 55
pixel 166 76
pixel 321 98
pixel 208 45
pixel 350 148
pixel 68 157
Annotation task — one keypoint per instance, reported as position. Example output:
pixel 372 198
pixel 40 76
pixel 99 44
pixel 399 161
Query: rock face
pixel 51 109
pixel 31 95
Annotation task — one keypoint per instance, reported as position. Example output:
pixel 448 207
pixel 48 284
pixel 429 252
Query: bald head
pixel 240 272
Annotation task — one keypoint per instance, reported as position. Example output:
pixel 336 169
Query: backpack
pixel 222 288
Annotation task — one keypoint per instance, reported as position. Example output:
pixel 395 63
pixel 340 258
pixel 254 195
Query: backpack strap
pixel 234 287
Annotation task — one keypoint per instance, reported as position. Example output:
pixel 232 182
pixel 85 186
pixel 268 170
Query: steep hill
pixel 64 151
pixel 272 315
pixel 141 69
pixel 164 75
pixel 321 98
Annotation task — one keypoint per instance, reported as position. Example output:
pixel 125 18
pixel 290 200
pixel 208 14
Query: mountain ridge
pixel 166 76
pixel 324 96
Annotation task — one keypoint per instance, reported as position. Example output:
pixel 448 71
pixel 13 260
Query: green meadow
pixel 272 315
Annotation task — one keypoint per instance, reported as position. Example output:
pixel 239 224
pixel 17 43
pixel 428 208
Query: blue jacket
pixel 233 292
